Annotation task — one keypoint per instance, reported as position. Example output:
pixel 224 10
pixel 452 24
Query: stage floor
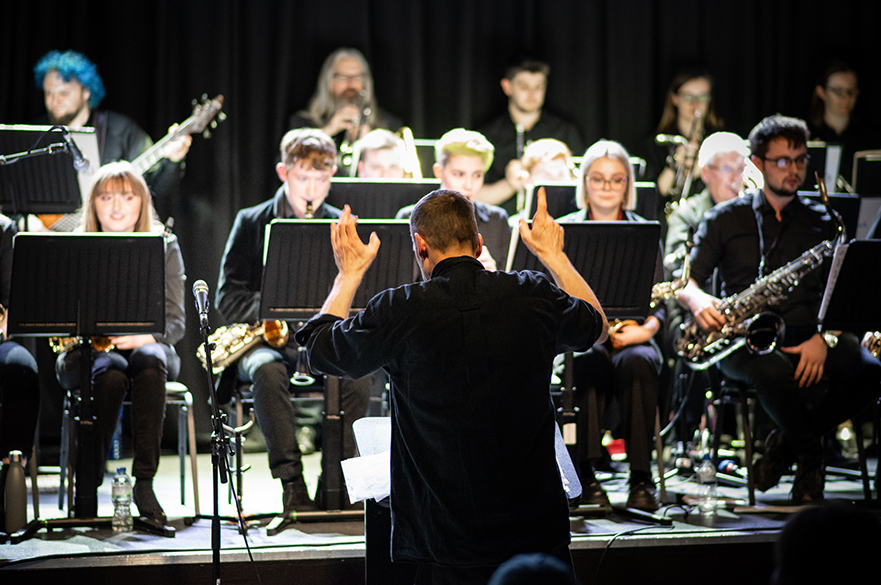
pixel 607 548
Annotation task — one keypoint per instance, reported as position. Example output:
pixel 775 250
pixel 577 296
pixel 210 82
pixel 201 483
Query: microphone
pixel 200 291
pixel 80 163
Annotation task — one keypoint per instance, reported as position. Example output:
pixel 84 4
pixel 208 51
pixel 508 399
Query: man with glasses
pixel 750 237
pixel 344 96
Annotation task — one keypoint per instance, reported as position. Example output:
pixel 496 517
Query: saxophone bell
pixel 764 333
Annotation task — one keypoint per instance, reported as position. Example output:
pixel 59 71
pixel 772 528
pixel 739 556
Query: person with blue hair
pixel 73 89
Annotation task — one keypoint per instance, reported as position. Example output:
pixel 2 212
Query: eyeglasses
pixel 784 161
pixel 728 170
pixel 614 183
pixel 694 98
pixel 348 78
pixel 843 92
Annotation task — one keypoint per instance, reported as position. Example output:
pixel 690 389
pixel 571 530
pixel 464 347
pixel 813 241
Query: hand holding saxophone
pixel 703 306
pixel 132 341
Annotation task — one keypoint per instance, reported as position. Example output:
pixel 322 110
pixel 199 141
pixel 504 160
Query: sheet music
pixel 837 261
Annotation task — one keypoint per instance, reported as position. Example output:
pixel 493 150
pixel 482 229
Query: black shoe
pixel 595 495
pixel 145 499
pixel 777 461
pixel 809 482
pixel 643 496
pixel 295 497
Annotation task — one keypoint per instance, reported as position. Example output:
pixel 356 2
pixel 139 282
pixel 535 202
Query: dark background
pixel 436 64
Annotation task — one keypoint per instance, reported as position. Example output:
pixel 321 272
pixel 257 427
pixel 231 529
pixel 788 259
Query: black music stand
pixel 378 199
pixel 867 172
pixel 36 184
pixel 851 299
pixel 618 260
pixel 298 273
pixel 87 285
pixel 847 205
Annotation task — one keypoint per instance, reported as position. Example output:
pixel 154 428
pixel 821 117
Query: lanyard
pixel 764 255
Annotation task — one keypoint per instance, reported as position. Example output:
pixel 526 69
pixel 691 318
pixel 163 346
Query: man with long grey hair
pixel 343 96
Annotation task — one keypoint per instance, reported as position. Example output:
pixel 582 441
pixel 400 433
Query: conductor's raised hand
pixel 545 238
pixel 353 257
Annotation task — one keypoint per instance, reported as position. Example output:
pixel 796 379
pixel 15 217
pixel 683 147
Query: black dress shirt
pixel 469 353
pixel 728 238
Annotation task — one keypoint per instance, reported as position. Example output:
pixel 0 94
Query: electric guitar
pixel 203 116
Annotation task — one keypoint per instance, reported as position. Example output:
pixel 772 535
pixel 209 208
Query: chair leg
pixel 65 451
pixel 748 441
pixel 191 427
pixel 182 448
pixel 35 491
pixel 659 445
pixel 861 451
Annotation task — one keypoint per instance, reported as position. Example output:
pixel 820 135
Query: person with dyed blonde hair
pixel 627 368
pixel 547 161
pixel 462 158
pixel 139 365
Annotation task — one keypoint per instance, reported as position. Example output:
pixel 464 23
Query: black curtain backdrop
pixel 436 64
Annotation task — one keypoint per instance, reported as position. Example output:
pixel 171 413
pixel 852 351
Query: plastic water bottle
pixel 706 486
pixel 122 501
pixel 16 499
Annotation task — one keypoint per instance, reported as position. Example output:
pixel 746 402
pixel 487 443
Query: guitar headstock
pixel 206 114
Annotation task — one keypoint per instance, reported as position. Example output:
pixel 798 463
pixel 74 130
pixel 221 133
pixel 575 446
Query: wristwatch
pixel 830 337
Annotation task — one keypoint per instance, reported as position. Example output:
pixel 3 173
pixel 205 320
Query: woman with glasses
pixel 832 119
pixel 689 115
pixel 627 367
pixel 120 203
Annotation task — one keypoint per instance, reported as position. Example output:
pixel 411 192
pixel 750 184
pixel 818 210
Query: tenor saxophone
pixel 63 344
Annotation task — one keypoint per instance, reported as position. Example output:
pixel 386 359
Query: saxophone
pixel 62 344
pixel 747 324
pixel 874 343
pixel 229 343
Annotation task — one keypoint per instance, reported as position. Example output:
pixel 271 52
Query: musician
pixel 307 164
pixel 380 155
pixel 547 160
pixel 832 116
pixel 628 366
pixel 72 90
pixel 343 95
pixel 469 354
pixel 462 158
pixel 19 386
pixel 690 90
pixel 750 237
pixel 120 202
pixel 525 84
pixel 721 161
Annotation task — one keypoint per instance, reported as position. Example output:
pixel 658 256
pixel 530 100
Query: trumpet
pixel 62 344
pixel 230 343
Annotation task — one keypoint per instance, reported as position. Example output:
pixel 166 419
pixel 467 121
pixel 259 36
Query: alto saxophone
pixel 231 342
pixel 62 344
pixel 874 343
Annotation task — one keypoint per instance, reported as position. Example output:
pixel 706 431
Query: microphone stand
pixel 220 450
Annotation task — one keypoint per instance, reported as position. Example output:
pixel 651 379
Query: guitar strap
pixel 101 131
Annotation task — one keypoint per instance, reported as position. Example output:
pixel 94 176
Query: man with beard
pixel 747 238
pixel 72 90
pixel 344 94
pixel 525 84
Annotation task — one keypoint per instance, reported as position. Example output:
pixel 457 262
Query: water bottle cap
pixel 706 457
pixel 15 456
pixel 120 471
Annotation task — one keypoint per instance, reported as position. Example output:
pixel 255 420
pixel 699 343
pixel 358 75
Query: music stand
pixel 113 284
pixel 850 302
pixel 378 199
pixel 867 172
pixel 846 205
pixel 42 184
pixel 825 160
pixel 298 273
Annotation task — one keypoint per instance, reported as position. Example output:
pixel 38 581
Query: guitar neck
pixel 152 155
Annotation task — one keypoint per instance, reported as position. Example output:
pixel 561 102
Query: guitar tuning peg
pixel 206 134
pixel 204 97
pixel 194 102
pixel 214 123
pixel 221 116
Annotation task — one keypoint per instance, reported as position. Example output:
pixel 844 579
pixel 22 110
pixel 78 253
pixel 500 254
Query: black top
pixel 120 138
pixel 502 133
pixel 7 232
pixel 302 119
pixel 241 270
pixel 469 352
pixel 728 237
pixel 856 137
